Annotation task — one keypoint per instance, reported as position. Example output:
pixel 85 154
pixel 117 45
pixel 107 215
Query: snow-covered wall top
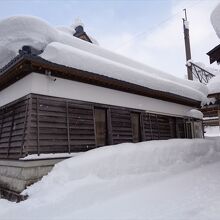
pixel 61 47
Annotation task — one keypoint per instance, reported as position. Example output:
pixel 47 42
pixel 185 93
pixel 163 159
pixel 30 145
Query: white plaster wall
pixel 41 84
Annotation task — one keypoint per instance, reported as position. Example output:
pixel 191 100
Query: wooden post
pixel 109 127
pixel 24 128
pixel 150 126
pixel 38 129
pixel 11 130
pixel 143 135
pixel 93 112
pixel 187 45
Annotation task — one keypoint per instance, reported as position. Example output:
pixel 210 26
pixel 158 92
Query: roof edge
pixel 27 63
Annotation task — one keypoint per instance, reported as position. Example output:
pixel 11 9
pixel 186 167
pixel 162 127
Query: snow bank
pixel 118 161
pixel 22 30
pixel 129 181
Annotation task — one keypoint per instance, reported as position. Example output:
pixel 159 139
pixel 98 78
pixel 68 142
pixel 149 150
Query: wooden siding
pixel 39 124
pixel 13 129
pixel 121 125
pixel 60 126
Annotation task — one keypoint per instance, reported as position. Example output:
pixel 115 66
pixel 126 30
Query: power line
pixel 149 31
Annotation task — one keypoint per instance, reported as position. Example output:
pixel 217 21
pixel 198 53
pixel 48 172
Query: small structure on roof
pixel 79 31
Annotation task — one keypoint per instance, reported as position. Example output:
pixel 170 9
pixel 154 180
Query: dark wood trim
pixel 93 113
pixel 11 130
pixel 24 129
pixel 151 130
pixel 109 126
pixel 143 136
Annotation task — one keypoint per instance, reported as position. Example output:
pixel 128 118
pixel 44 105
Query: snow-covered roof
pixel 61 47
pixel 214 85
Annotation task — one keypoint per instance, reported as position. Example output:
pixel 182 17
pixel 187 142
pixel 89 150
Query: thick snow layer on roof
pixel 214 85
pixel 215 19
pixel 59 43
pixel 173 179
pixel 84 60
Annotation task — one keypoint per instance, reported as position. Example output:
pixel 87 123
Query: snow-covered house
pixel 61 92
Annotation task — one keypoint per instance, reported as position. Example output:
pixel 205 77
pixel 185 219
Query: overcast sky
pixel 149 31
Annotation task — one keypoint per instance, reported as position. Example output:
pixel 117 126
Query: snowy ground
pixel 174 179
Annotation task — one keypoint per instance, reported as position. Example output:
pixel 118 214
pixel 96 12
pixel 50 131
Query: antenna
pixel 187 45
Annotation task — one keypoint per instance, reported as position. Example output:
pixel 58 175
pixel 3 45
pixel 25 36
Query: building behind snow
pixel 62 93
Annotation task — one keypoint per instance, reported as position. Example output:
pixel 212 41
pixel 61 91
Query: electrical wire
pixel 149 31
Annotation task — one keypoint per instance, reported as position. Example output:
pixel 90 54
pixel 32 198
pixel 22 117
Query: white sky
pixel 149 31
pixel 162 46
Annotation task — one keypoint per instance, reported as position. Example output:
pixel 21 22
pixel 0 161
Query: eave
pixel 28 63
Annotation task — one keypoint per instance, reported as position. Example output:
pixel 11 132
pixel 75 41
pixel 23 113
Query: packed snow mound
pixel 174 179
pixel 215 19
pixel 24 30
pixel 129 159
pixel 214 85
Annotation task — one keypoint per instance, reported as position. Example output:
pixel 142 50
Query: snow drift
pixel 58 43
pixel 123 160
pixel 173 179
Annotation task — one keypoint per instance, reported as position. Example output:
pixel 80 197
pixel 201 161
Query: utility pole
pixel 187 45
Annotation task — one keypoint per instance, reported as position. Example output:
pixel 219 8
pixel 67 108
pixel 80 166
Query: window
pixel 101 126
pixel 135 124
